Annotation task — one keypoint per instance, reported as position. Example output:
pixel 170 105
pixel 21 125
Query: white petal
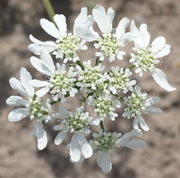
pixel 36 48
pixel 75 153
pixel 38 45
pixel 121 28
pixel 41 135
pixel 18 114
pixel 60 137
pixel 96 121
pixel 133 27
pixel 161 79
pixel 80 18
pixel 16 85
pixel 145 34
pixel 86 31
pixel 127 136
pixel 62 114
pixel 50 28
pixel 143 124
pixel 164 52
pixel 135 143
pixel 83 26
pixel 110 17
pixel 36 41
pixel 136 123
pixel 86 148
pixel 40 66
pixel 47 60
pixel 152 100
pixel 42 91
pixel 60 21
pixel 154 110
pixel 25 78
pixel 135 35
pixel 158 44
pixel 16 101
pixel 38 83
pixel 104 161
pixel 103 20
pixel 58 127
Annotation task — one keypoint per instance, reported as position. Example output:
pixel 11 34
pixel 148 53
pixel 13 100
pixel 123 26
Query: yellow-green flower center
pixel 68 45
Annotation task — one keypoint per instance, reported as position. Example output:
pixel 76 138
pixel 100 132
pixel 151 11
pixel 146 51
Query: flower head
pixel 137 103
pixel 66 44
pixel 109 44
pixel 104 142
pixel 33 106
pixel 146 55
pixel 119 80
pixel 78 124
pixel 91 77
pixel 60 83
pixel 105 106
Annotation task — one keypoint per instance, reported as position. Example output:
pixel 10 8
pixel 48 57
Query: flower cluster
pixel 105 90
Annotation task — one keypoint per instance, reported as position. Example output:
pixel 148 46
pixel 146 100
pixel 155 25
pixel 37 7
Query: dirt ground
pixel 19 157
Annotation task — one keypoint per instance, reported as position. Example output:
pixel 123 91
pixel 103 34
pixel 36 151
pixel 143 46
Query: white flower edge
pixel 103 158
pixel 161 79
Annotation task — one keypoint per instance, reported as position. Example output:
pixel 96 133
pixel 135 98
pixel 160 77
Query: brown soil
pixel 19 157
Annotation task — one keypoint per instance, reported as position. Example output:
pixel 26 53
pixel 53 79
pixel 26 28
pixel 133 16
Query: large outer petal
pixel 163 52
pixel 144 34
pixel 25 78
pixel 129 135
pixel 103 20
pixel 38 45
pixel 86 148
pixel 16 85
pixel 60 137
pixel 48 61
pixel 60 21
pixel 104 161
pixel 135 144
pixel 50 28
pixel 40 66
pixel 80 19
pixel 158 44
pixel 42 91
pixel 16 101
pixel 40 134
pixel 161 79
pixel 121 28
pixel 83 26
pixel 18 114
pixel 75 152
pixel 38 83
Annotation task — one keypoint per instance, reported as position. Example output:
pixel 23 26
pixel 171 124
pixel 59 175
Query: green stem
pixel 131 66
pixel 97 61
pixel 102 126
pixel 80 64
pixel 49 9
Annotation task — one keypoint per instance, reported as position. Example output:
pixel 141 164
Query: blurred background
pixel 19 157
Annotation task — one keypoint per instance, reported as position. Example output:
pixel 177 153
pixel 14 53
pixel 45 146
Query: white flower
pixel 146 55
pixel 33 106
pixel 138 102
pixel 105 106
pixel 61 83
pixel 66 44
pixel 78 124
pixel 110 43
pixel 104 142
pixel 119 80
pixel 91 77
